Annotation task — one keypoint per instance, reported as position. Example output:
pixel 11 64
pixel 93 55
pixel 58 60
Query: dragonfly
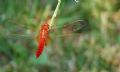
pixel 76 27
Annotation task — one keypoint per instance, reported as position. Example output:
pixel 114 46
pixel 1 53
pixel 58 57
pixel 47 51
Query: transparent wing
pixel 17 35
pixel 69 28
pixel 75 26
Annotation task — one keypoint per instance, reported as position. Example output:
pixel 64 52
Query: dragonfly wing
pixel 69 29
pixel 76 27
pixel 19 36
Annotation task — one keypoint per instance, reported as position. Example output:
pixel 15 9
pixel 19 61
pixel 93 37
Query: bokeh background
pixel 94 50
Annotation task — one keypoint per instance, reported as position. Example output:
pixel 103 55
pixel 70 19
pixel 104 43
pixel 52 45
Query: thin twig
pixel 55 13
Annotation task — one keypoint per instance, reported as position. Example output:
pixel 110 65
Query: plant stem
pixel 55 13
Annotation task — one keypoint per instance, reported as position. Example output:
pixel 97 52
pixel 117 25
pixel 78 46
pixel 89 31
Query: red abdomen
pixel 43 36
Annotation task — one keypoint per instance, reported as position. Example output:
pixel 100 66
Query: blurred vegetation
pixel 97 50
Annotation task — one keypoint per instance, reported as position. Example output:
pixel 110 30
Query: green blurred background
pixel 97 50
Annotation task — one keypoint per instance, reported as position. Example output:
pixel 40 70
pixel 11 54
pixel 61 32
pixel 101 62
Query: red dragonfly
pixel 75 27
pixel 43 36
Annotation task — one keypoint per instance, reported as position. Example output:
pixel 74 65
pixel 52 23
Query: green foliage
pixel 96 50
